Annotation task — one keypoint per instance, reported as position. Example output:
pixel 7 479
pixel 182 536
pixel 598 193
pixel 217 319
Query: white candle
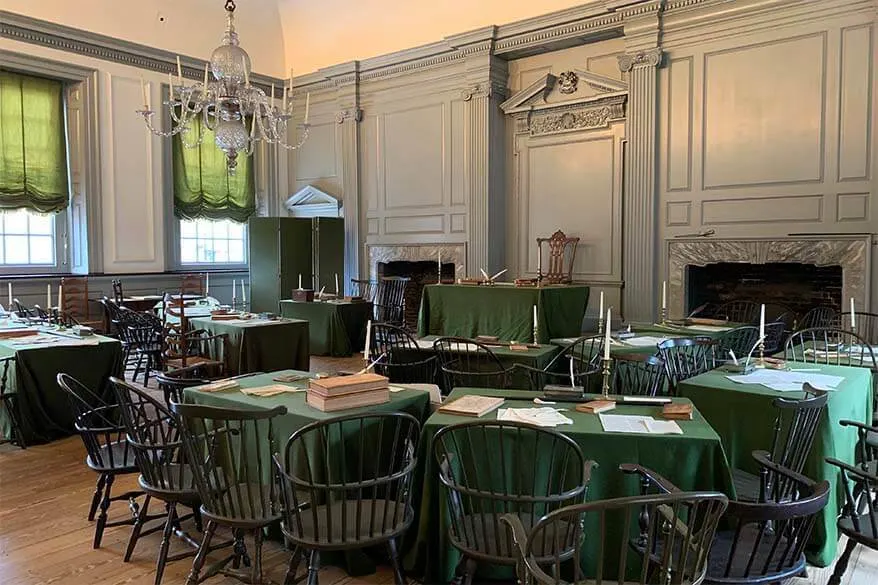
pixel 601 309
pixel 243 291
pixel 171 86
pixel 285 97
pixel 60 297
pixel 300 281
pixel 234 289
pixel 853 315
pixel 271 101
pixel 539 261
pixel 368 340
pixel 179 71
pixel 9 286
pixel 439 263
pixel 536 325
pixel 337 290
pixel 48 296
pixel 762 321
pixel 607 335
pixel 143 91
pixel 307 105
pixel 205 79
pixel 207 283
pixel 664 294
pixel 246 72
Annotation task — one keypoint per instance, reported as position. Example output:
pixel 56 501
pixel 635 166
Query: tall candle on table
pixel 664 295
pixel 48 296
pixel 368 339
pixel 536 325
pixel 762 322
pixel 337 290
pixel 243 292
pixel 206 283
pixel 601 309
pixel 234 289
pixel 439 266
pixel 853 315
pixel 9 285
pixel 607 336
pixel 60 297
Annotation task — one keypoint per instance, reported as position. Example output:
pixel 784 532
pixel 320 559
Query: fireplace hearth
pixel 421 273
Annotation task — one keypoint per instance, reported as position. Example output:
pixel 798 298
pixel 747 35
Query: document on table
pixel 425 343
pixel 645 425
pixel 783 381
pixel 708 328
pixel 541 417
pixel 643 341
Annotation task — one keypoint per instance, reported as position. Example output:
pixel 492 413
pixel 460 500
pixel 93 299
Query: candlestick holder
pixel 760 362
pixel 605 371
pixel 664 314
pixel 234 303
pixel 536 335
pixel 600 325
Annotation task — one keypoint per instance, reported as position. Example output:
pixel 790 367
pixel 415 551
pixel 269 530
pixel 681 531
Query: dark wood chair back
pixel 154 436
pixel 346 482
pixel 739 311
pixel 826 345
pixel 562 255
pixel 21 311
pixel 469 363
pixel 859 515
pixel 866 325
pixel 389 301
pixel 74 302
pixel 118 296
pixel 398 357
pixel 192 284
pixel 656 538
pixel 173 382
pixel 364 289
pixel 765 542
pixel 819 317
pixel 9 401
pixel 638 374
pixel 739 340
pixel 577 365
pixel 491 468
pixel 775 336
pixel 232 449
pixel 686 357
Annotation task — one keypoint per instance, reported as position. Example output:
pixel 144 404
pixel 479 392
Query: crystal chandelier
pixel 238 113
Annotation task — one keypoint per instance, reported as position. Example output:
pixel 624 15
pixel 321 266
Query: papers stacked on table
pixel 788 381
pixel 540 417
pixel 624 423
pixel 709 328
pixel 270 390
pixel 644 341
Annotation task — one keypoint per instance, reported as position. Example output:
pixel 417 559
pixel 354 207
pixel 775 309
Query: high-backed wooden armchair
pixel 192 284
pixel 555 271
pixel 74 304
pixel 183 347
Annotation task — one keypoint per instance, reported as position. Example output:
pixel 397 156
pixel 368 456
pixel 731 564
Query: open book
pixel 472 405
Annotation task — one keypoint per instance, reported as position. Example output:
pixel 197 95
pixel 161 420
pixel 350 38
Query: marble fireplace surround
pixel 852 253
pixel 455 253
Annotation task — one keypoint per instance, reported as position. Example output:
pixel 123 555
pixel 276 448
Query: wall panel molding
pixel 855 104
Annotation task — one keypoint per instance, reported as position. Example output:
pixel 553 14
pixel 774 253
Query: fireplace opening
pixel 798 286
pixel 421 273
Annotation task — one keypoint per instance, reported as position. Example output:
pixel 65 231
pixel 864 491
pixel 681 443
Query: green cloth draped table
pixel 44 408
pixel 743 416
pixel 502 310
pixel 299 414
pixel 261 345
pixel 692 461
pixel 626 346
pixel 337 328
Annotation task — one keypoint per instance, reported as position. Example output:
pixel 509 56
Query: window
pixel 28 239
pixel 204 241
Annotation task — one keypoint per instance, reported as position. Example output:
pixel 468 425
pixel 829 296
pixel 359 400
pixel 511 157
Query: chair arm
pixel 763 458
pixel 526 566
pixel 587 470
pixel 859 425
pixel 859 472
pixel 650 475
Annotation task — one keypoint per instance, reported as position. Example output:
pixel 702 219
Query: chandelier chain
pixel 230 5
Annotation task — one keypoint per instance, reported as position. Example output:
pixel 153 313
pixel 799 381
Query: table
pixel 141 304
pixel 502 310
pixel 626 346
pixel 743 416
pixel 535 357
pixel 44 409
pixel 692 461
pixel 338 328
pixel 261 345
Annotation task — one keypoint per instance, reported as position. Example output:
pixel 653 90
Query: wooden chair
pixel 183 347
pixel 555 270
pixel 469 363
pixel 144 341
pixel 739 311
pixel 173 382
pixel 681 523
pixel 825 345
pixel 118 296
pixel 482 484
pixel 389 301
pixel 192 284
pixel 99 425
pixel 686 357
pixel 765 542
pixel 638 374
pixel 859 515
pixel 822 316
pixel 9 400
pixel 775 336
pixel 229 451
pixel 739 340
pixel 337 494
pixel 400 357
pixel 577 365
pixel 364 289
pixel 866 325
pixel 21 311
pixel 74 302
pixel 795 427
pixel 154 437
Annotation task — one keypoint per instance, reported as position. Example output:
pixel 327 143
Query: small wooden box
pixel 303 295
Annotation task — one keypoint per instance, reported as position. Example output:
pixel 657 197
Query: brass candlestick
pixel 664 314
pixel 761 361
pixel 605 370
pixel 600 325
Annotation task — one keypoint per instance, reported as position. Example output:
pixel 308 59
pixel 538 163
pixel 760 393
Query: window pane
pixel 212 242
pixel 236 230
pixel 221 250
pixel 187 251
pixel 236 251
pixel 41 224
pixel 41 250
pixel 204 254
pixel 16 222
pixel 187 229
pixel 16 249
pixel 220 229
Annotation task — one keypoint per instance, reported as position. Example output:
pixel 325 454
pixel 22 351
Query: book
pixel 487 338
pixel 225 317
pixel 345 401
pixel 270 390
pixel 338 385
pixel 472 405
pixel 677 411
pixel 220 386
pixel 596 406
pixel 13 333
pixel 518 347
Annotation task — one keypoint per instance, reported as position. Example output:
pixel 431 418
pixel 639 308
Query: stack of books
pixel 342 392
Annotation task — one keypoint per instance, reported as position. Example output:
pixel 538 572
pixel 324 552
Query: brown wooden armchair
pixel 556 272
pixel 183 347
pixel 192 284
pixel 74 303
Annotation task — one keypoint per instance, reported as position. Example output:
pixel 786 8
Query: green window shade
pixel 33 149
pixel 203 187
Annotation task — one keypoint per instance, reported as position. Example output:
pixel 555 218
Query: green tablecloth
pixel 336 328
pixel 693 461
pixel 259 345
pixel 643 333
pixel 44 408
pixel 504 311
pixel 743 416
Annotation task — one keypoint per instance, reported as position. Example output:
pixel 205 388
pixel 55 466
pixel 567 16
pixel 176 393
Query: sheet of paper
pixel 425 343
pixel 541 417
pixel 624 423
pixel 663 427
pixel 643 341
pixel 782 380
pixel 710 328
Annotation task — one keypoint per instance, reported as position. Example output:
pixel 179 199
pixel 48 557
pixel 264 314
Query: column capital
pixel 648 58
pixel 349 115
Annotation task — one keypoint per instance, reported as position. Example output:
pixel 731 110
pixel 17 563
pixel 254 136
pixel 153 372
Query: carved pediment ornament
pixel 571 117
pixel 650 58
pixel 567 82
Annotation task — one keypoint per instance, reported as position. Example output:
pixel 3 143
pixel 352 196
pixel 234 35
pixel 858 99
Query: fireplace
pixel 421 273
pixel 795 285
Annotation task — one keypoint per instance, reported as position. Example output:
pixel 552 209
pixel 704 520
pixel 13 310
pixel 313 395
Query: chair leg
pixel 256 569
pixel 469 571
pixel 314 568
pixel 201 556
pixel 102 517
pixel 398 575
pixel 293 567
pixel 142 515
pixel 96 498
pixel 842 564
pixel 137 368
pixel 166 542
